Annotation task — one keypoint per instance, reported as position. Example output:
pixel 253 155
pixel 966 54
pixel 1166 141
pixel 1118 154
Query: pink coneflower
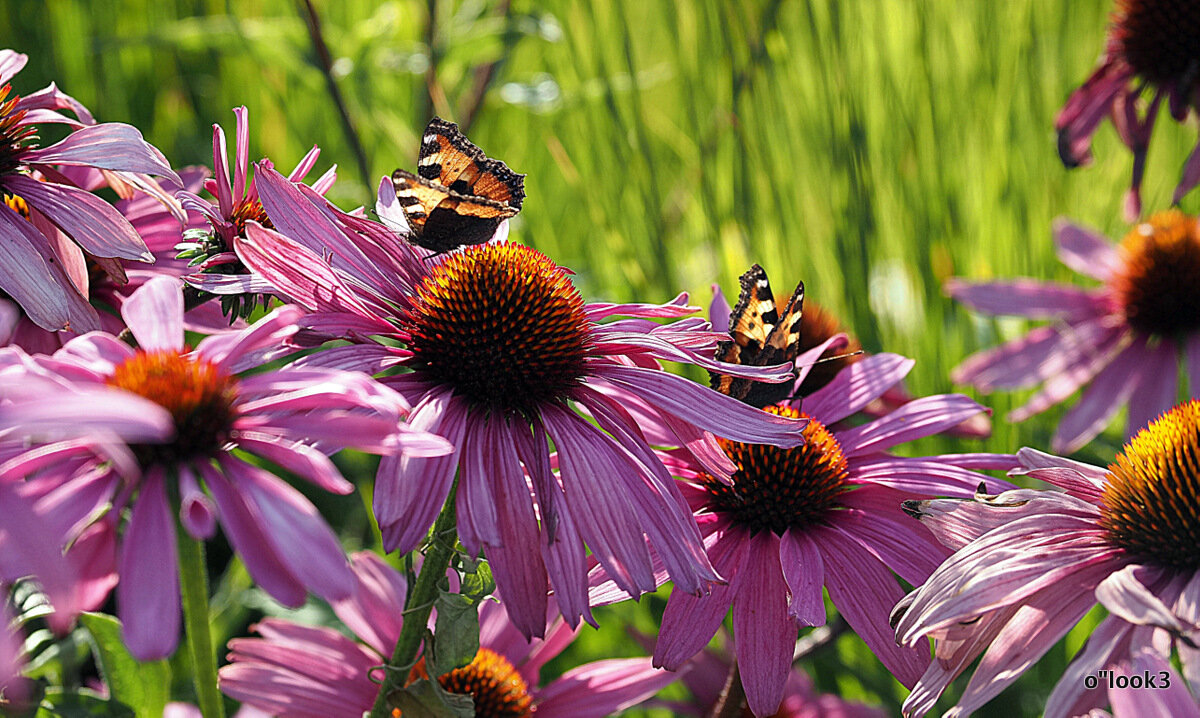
pixel 216 269
pixel 296 671
pixel 37 202
pixel 1152 46
pixel 160 425
pixel 503 353
pixel 826 514
pixel 1029 564
pixel 1124 339
pixel 818 326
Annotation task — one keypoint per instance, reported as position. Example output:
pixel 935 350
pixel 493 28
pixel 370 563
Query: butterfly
pixel 759 338
pixel 459 195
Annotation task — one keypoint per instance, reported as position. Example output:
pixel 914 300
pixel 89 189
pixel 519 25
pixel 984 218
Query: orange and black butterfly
pixel 459 195
pixel 759 337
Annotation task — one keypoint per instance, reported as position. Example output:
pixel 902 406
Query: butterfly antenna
pixel 822 360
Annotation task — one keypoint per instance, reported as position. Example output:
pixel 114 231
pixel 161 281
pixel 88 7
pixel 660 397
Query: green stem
pixel 420 604
pixel 194 583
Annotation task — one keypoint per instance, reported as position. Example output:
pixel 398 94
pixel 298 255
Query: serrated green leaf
pixel 427 699
pixel 144 687
pixel 456 634
pixel 82 705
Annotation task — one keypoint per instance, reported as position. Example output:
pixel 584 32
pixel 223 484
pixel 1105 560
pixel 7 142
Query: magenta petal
pixel 110 146
pixel 601 688
pixel 300 459
pixel 148 594
pixel 1156 388
pixel 1026 298
pixel 1110 389
pixel 1064 354
pixel 93 223
pixel 375 613
pixel 1085 251
pixel 918 418
pixel 154 314
pixel 764 633
pixel 301 537
pixel 197 513
pixel 246 533
pixel 856 386
pixel 24 276
pixel 805 575
pixel 279 259
pixel 719 311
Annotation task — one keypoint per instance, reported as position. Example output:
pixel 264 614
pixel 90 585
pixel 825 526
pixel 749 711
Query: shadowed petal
pixel 1156 388
pixel 804 572
pixel 375 613
pixel 601 688
pixel 24 276
pixel 1110 389
pixel 95 224
pixel 764 633
pixel 148 594
pixel 110 146
pixel 856 386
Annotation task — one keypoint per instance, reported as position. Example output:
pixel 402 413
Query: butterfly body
pixel 459 195
pixel 760 335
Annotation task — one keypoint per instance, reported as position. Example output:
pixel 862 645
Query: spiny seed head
pixel 1158 283
pixel 1151 503
pixel 14 137
pixel 819 325
pixel 776 489
pixel 1160 39
pixel 198 394
pixel 495 684
pixel 503 325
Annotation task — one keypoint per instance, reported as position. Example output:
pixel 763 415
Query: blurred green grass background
pixel 871 148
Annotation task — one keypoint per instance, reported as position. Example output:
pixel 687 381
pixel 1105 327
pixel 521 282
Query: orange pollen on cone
pixel 491 680
pixel 14 137
pixel 778 489
pixel 1158 283
pixel 247 210
pixel 503 325
pixel 1151 501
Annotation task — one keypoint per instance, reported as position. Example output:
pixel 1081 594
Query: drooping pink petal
pixel 24 275
pixel 197 513
pixel 148 593
pixel 1127 597
pixel 601 688
pixel 1086 108
pixel 1085 251
pixel 154 314
pixel 804 572
pixel 1110 389
pixel 1027 298
pixel 375 612
pixel 764 632
pixel 1078 479
pixel 110 146
pixel 300 459
pixel 1156 388
pixel 1169 698
pixel 11 63
pixel 1075 351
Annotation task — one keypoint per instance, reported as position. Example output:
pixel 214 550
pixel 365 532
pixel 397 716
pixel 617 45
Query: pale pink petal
pixel 918 418
pixel 148 594
pixel 1044 353
pixel 95 224
pixel 804 572
pixel 764 633
pixel 11 63
pixel 375 612
pixel 241 152
pixel 719 310
pixel 1128 598
pixel 1110 389
pixel 601 688
pixel 1084 250
pixel 300 459
pixel 154 314
pixel 921 476
pixel 1167 698
pixel 100 352
pixel 111 146
pixel 24 275
pixel 856 386
pixel 1027 298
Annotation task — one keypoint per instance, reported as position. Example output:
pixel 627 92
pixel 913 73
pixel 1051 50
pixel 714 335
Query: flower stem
pixel 420 604
pixel 194 583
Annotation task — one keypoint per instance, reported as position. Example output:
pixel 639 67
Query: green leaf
pixel 427 699
pixel 477 582
pixel 144 687
pixel 82 705
pixel 456 634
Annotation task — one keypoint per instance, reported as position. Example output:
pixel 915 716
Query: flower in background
pixel 1029 564
pixel 215 267
pixel 14 689
pixel 817 327
pixel 1124 339
pixel 1151 48
pixel 706 675
pixel 299 671
pixel 504 354
pixel 140 427
pixel 826 514
pixel 45 222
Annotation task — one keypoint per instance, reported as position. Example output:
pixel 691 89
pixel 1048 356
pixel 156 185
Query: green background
pixel 872 149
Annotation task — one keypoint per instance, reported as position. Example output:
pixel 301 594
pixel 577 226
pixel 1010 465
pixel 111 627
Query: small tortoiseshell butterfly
pixel 759 338
pixel 459 194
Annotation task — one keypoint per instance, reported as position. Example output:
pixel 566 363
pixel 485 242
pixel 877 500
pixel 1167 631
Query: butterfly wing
pixel 450 159
pixel 442 219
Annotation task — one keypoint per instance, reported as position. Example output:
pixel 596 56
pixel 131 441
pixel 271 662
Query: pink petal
pixel 300 459
pixel 1026 298
pixel 765 634
pixel 1110 389
pixel 148 594
pixel 805 575
pixel 1072 351
pixel 241 152
pixel 601 688
pixel 719 311
pixel 110 146
pixel 24 275
pixel 918 418
pixel 93 223
pixel 154 314
pixel 1128 598
pixel 375 612
pixel 1170 700
pixel 877 523
pixel 221 172
pixel 1157 387
pixel 856 386
pixel 922 476
pixel 197 513
pixel 11 63
pixel 279 260
pixel 1084 250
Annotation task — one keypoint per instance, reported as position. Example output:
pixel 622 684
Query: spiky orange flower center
pixel 198 394
pixel 1151 504
pixel 14 137
pixel 1160 39
pixel 246 210
pixel 16 203
pixel 503 325
pixel 818 326
pixel 1158 284
pixel 776 489
pixel 498 689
